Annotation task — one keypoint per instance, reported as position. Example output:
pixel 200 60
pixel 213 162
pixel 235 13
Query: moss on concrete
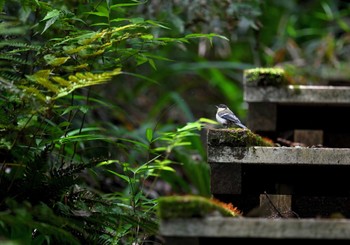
pixel 190 206
pixel 236 137
pixel 265 77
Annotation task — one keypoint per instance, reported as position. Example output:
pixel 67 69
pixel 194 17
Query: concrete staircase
pixel 298 189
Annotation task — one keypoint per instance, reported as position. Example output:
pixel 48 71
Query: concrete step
pixel 216 229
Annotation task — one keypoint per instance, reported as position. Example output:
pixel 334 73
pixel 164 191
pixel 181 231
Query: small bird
pixel 226 117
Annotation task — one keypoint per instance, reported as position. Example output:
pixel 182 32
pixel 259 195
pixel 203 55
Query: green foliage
pixel 94 96
pixel 310 41
pixel 55 157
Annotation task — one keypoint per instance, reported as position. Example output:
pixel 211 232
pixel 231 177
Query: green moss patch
pixel 265 77
pixel 236 137
pixel 190 206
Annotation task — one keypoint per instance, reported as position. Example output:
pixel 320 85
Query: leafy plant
pixel 54 157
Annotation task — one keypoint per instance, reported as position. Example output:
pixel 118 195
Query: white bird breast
pixel 220 120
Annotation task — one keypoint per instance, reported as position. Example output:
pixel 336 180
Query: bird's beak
pixel 216 106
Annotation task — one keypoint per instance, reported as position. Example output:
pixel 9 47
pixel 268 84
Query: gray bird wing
pixel 232 118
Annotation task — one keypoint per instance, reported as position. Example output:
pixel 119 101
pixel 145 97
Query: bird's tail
pixel 242 126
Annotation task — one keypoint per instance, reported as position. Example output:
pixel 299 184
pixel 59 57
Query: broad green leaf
pixel 51 14
pixel 124 177
pixel 155 23
pixel 135 142
pixel 78 131
pixel 147 37
pixel 55 61
pixel 100 24
pixel 101 11
pixel 210 35
pixel 182 144
pixel 50 18
pixel 151 62
pixel 137 20
pixel 82 108
pixel 108 162
pixel 81 138
pixel 207 120
pixel 149 134
pixel 121 5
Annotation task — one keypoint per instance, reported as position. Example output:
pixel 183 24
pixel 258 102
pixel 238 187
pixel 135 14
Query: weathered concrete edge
pixel 256 228
pixel 298 94
pixel 278 155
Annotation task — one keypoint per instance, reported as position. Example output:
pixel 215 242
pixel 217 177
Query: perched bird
pixel 226 117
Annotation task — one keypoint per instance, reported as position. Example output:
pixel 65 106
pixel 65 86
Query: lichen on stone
pixel 190 206
pixel 265 77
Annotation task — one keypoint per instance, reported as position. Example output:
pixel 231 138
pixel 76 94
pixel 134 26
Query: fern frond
pixel 84 66
pixel 13 58
pixel 73 49
pixel 30 222
pixel 12 28
pixel 19 45
pixel 31 91
pixel 9 77
pixel 81 80
pixel 55 61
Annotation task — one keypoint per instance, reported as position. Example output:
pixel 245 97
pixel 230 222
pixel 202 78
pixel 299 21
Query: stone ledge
pixel 220 227
pixel 279 155
pixel 298 94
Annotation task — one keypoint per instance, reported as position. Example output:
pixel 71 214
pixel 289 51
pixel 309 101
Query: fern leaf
pixel 81 80
pixel 59 61
pixel 47 84
pixel 93 37
pixel 96 53
pixel 61 81
pixel 19 45
pixel 42 77
pixel 75 68
pixel 74 50
pixel 9 77
pixel 33 92
pixel 12 28
pixel 16 59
